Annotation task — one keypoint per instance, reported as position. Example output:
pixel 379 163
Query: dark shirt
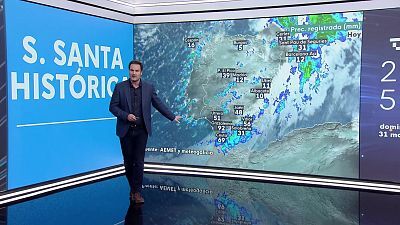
pixel 136 98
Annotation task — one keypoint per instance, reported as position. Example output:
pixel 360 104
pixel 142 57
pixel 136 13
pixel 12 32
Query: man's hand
pixel 131 118
pixel 177 118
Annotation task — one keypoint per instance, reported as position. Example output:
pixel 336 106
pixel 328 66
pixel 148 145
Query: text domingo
pixel 47 85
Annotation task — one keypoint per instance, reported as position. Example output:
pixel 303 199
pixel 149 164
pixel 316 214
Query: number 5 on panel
pixel 383 97
pixel 385 91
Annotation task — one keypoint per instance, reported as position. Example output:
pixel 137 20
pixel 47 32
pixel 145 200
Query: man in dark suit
pixel 131 104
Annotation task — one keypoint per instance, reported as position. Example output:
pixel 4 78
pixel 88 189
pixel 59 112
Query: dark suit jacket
pixel 121 106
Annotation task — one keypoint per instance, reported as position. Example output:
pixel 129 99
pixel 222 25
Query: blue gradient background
pixel 43 153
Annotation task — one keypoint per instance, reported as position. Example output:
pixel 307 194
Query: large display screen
pixel 62 68
pixel 305 94
pixel 276 94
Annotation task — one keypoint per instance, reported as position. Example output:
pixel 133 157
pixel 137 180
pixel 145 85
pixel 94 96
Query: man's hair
pixel 137 62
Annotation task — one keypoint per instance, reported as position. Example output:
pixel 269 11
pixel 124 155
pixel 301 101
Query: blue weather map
pixel 276 94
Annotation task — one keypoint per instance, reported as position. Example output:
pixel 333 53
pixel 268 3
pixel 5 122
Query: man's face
pixel 135 73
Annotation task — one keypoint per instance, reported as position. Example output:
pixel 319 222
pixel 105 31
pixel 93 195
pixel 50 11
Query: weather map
pixel 275 94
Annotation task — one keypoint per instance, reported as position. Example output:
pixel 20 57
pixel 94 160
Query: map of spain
pixel 259 94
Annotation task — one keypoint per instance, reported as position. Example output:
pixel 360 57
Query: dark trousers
pixel 133 147
pixel 134 215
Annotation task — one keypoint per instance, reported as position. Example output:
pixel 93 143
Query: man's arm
pixel 160 106
pixel 115 105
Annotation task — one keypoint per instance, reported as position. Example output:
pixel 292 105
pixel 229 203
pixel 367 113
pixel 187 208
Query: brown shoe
pixel 131 197
pixel 138 198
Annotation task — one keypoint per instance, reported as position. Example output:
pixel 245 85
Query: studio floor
pixel 186 200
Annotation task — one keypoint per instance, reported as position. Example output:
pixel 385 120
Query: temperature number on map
pixel 238 109
pixel 247 123
pixel 300 59
pixel 240 44
pixel 266 85
pixel 221 127
pixel 217 117
pixel 191 42
pixel 302 47
pixel 241 132
pixel 221 139
pixel 260 95
pixel 239 79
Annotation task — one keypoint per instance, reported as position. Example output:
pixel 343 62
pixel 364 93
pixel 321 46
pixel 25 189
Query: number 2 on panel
pixel 385 91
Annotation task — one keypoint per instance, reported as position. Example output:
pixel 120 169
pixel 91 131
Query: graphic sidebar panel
pixel 3 102
pixel 62 68
pixel 275 94
pixel 380 107
pixel 3 112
